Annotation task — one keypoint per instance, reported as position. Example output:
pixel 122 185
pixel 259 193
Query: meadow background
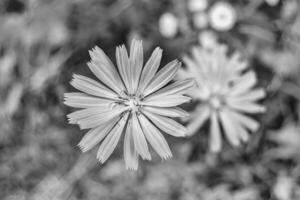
pixel 43 42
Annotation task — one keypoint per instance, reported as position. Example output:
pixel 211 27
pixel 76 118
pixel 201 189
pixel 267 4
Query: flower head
pixel 168 25
pixel 226 94
pixel 131 98
pixel 197 5
pixel 200 20
pixel 208 39
pixel 222 16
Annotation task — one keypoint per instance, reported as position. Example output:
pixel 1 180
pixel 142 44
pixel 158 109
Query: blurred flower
pixel 222 16
pixel 7 63
pixel 200 20
pixel 207 39
pixel 225 93
pixel 51 187
pixel 131 98
pixel 168 25
pixel 197 5
pixel 289 9
pixel 272 2
pixel 287 139
pixel 284 63
pixel 224 192
pixel 13 99
pixel 283 187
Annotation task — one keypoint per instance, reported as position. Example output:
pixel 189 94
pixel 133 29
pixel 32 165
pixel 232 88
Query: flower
pixel 207 39
pixel 197 5
pixel 168 25
pixel 222 16
pixel 131 99
pixel 226 94
pixel 200 20
pixel 272 2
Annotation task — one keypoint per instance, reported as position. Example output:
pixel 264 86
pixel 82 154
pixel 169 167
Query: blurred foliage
pixel 42 42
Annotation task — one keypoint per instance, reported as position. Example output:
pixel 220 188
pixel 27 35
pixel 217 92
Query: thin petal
pixel 243 133
pixel 107 68
pixel 164 76
pixel 246 107
pixel 244 83
pixel 140 142
pixel 124 67
pixel 167 125
pixel 74 117
pixel 192 67
pixel 235 64
pixel 82 100
pixel 150 69
pixel 92 87
pixel 100 118
pixel 155 138
pixel 96 135
pixel 201 115
pixel 168 112
pixel 247 122
pixel 98 54
pixel 130 154
pixel 241 130
pixel 167 101
pixel 179 87
pixel 252 95
pixel 136 62
pixel 229 128
pixel 215 137
pixel 106 76
pixel 111 140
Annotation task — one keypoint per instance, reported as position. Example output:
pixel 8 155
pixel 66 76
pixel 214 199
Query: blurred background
pixel 43 42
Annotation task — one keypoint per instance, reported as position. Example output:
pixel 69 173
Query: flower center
pixel 133 103
pixel 216 102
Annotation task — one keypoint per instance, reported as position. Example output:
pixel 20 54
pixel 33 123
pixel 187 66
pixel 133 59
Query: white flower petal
pixel 167 125
pixel 229 128
pixel 98 54
pixel 150 69
pixel 179 87
pixel 235 65
pixel 124 67
pixel 247 122
pixel 168 112
pixel 246 107
pixel 167 101
pixel 252 95
pixel 192 68
pixel 100 118
pixel 136 62
pixel 200 116
pixel 84 113
pixel 130 154
pixel 243 83
pixel 155 138
pixel 82 100
pixel 105 76
pixel 111 140
pixel 164 76
pixel 140 142
pixel 215 137
pixel 243 133
pixel 92 87
pixel 111 77
pixel 96 135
